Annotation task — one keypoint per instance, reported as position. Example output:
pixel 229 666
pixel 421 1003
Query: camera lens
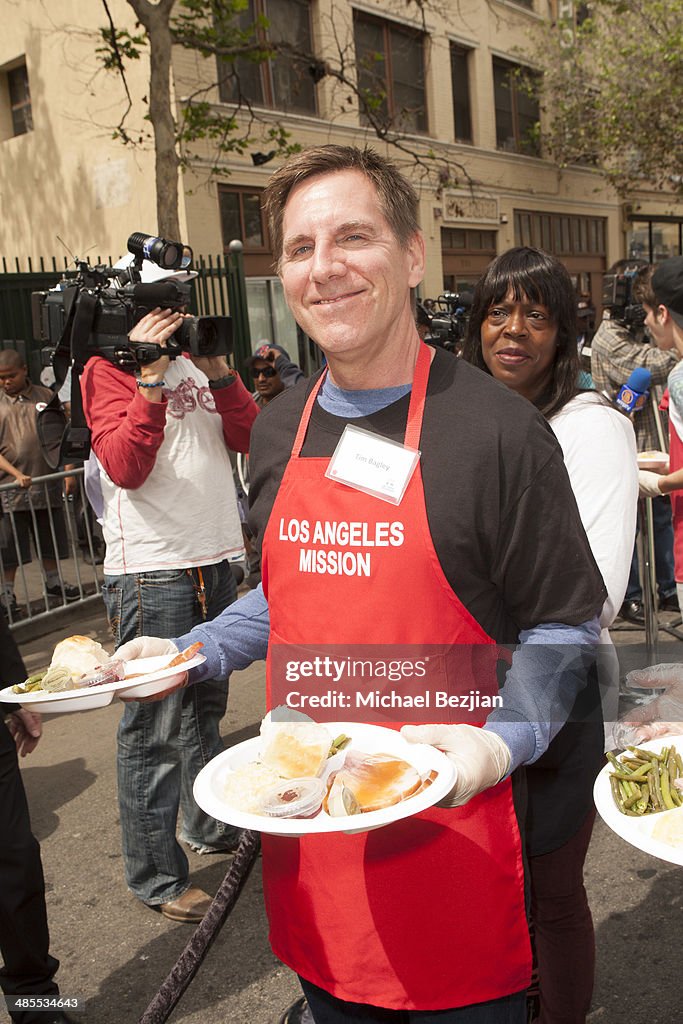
pixel 167 255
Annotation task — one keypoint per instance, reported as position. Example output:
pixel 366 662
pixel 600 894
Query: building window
pixel 390 68
pixel 468 240
pixel 517 113
pixel 242 217
pixel 460 83
pixel 18 119
pixel 285 82
pixel 560 234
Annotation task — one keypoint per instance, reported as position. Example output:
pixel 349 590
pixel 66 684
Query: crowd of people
pixel 517 522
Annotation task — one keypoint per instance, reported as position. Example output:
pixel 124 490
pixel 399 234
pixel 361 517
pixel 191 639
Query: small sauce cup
pixel 294 798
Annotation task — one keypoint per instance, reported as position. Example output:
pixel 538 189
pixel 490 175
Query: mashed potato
pixel 669 828
pixel 245 787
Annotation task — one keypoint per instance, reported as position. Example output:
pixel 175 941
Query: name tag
pixel 372 464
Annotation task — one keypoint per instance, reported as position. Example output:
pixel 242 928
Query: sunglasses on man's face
pixel 265 371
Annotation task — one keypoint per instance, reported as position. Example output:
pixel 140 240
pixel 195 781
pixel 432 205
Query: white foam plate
pixel 638 831
pixel 156 678
pixel 371 739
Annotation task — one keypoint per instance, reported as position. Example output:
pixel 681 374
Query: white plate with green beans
pixel 636 795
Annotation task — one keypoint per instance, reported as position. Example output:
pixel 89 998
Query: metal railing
pixel 51 548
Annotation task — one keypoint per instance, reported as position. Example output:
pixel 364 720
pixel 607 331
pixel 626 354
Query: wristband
pixel 150 384
pixel 222 382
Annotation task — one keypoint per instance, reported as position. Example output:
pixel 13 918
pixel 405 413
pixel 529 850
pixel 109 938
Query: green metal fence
pixel 218 290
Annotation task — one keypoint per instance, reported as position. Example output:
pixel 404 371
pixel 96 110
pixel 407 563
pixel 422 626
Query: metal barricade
pixel 51 548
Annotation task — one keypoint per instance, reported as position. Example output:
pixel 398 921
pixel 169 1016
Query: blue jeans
pixel 327 1009
pixel 664 553
pixel 162 746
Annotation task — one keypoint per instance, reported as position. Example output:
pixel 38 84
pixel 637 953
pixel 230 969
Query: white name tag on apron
pixel 372 464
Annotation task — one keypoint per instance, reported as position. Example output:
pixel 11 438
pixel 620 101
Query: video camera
pixel 447 319
pixel 617 296
pixel 93 310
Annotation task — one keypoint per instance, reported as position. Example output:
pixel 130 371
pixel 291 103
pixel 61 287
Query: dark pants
pixel 28 968
pixel 564 939
pixel 327 1009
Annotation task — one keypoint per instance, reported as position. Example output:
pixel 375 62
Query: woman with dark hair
pixel 522 331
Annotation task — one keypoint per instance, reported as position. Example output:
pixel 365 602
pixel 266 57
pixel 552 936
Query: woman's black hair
pixel 541 278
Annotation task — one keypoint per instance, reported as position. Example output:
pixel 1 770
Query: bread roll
pixel 80 655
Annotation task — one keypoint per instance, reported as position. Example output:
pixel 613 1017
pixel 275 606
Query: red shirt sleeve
pixel 126 429
pixel 237 410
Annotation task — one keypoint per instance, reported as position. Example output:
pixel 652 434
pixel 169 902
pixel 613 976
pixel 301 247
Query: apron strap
pixel 417 397
pixel 305 417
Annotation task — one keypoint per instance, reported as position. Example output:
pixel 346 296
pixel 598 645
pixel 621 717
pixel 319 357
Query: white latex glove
pixel 481 758
pixel 648 484
pixel 146 647
pixel 662 716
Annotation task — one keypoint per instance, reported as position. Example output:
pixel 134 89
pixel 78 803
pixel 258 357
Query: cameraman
pixel 619 345
pixel 171 526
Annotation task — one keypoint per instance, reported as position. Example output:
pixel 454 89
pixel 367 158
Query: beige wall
pixel 68 177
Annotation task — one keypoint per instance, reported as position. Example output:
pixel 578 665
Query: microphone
pixel 634 393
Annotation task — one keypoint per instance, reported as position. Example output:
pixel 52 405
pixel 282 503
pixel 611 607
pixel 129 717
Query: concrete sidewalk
pixel 114 952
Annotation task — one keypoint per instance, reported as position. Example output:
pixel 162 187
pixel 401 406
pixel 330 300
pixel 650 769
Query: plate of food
pixel 83 676
pixel 302 778
pixel 657 462
pixel 639 795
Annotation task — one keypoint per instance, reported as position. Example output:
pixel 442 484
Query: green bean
pixel 666 792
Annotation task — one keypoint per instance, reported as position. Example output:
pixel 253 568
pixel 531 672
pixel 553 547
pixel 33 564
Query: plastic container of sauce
pixel 294 798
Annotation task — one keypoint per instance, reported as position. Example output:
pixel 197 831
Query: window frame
pixel 21 111
pixel 240 191
pixel 268 99
pixel 387 26
pixel 464 53
pixel 509 68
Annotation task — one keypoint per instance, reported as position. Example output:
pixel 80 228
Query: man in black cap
pixel 618 347
pixel 273 371
pixel 667 286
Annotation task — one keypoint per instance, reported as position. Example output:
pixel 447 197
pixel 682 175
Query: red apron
pixel 427 913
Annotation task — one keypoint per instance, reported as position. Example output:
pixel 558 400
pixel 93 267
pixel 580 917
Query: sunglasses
pixel 266 371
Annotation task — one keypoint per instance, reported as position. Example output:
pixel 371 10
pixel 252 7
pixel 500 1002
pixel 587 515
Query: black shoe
pixel 61 1018
pixel 70 593
pixel 632 611
pixel 298 1013
pixel 669 604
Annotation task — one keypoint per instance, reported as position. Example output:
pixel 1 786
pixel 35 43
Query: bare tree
pixel 218 29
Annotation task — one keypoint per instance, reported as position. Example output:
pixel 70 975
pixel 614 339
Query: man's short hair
pixel 11 360
pixel 397 197
pixel 643 291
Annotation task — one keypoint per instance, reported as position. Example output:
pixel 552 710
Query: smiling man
pixel 425 919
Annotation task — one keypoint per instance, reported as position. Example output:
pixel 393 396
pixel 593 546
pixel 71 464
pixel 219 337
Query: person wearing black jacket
pixel 28 968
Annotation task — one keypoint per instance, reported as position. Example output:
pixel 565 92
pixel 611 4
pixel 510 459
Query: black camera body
pixel 92 312
pixel 447 319
pixel 617 296
pixel 115 300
